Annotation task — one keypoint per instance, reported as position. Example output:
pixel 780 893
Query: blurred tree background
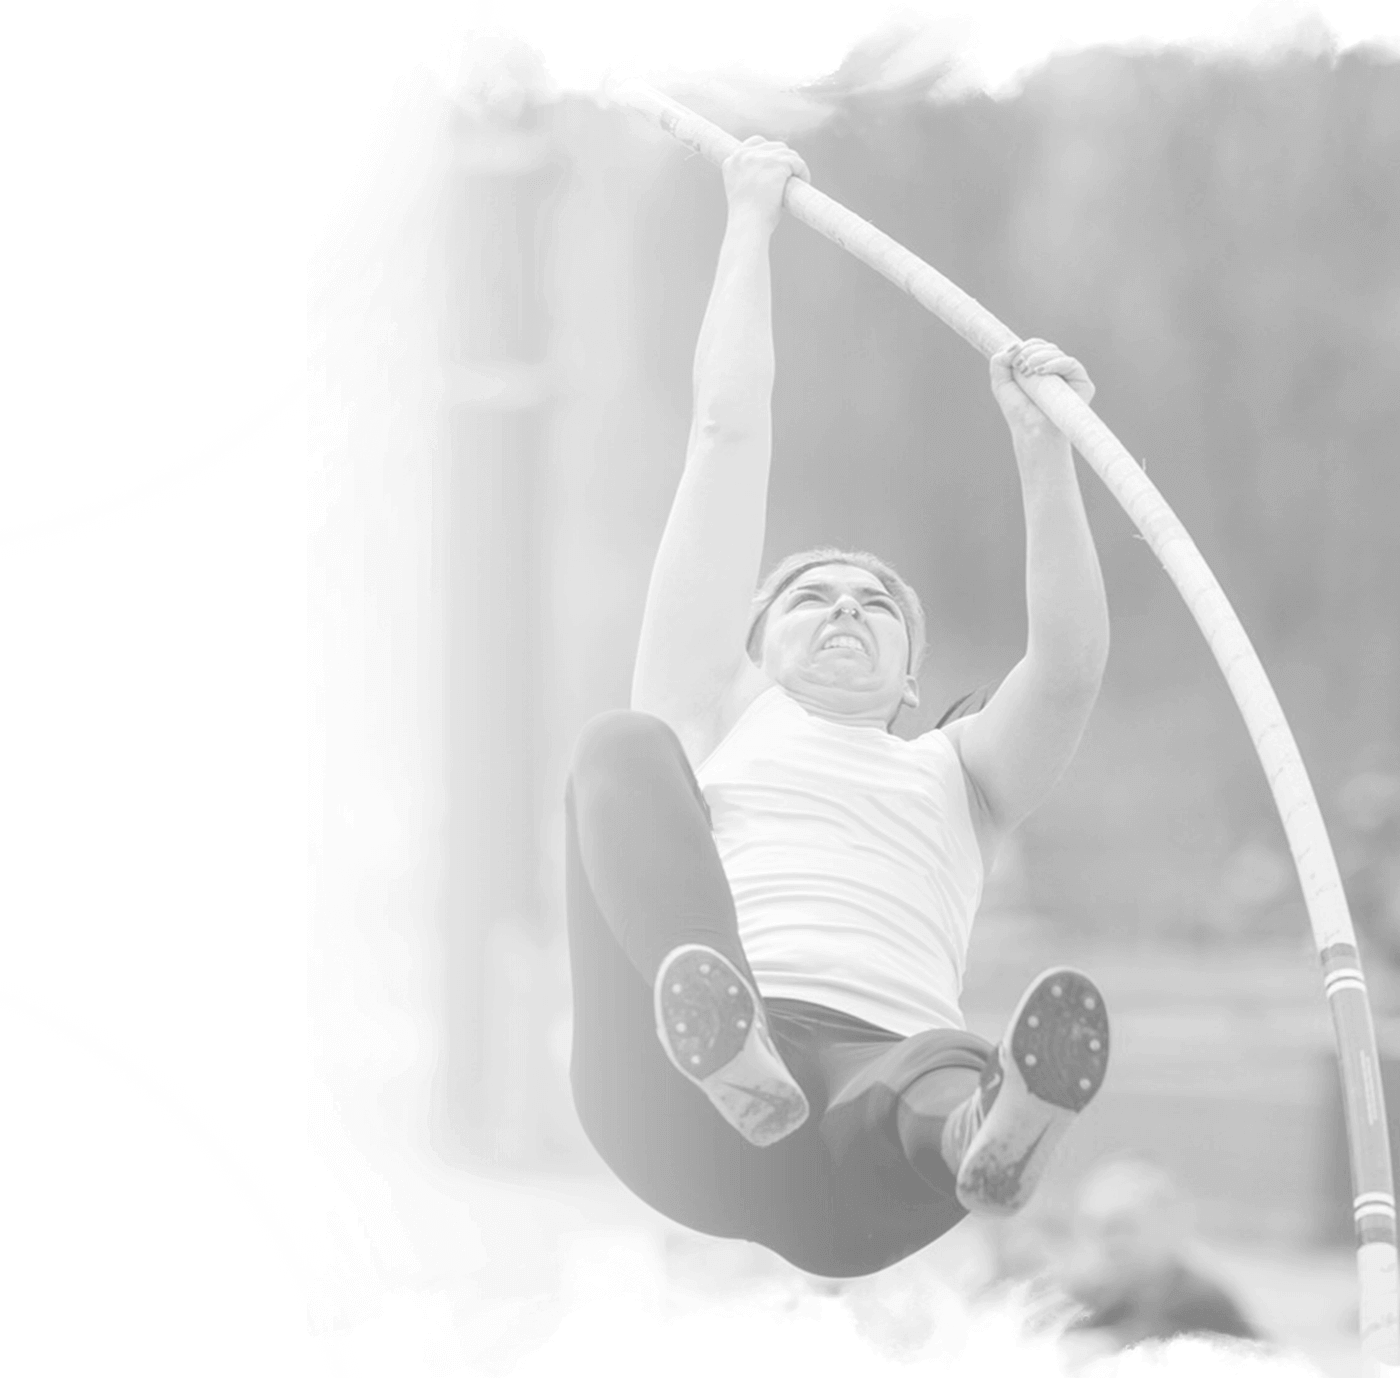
pixel 1220 243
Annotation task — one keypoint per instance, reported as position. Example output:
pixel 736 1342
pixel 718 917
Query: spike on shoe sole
pixel 1049 1067
pixel 711 1025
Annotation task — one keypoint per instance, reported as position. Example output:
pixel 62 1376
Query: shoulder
pixel 941 740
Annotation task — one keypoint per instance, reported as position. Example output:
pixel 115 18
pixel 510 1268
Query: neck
pixel 857 714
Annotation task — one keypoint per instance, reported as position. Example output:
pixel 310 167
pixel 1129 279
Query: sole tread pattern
pixel 1050 1067
pixel 711 1025
pixel 1060 1040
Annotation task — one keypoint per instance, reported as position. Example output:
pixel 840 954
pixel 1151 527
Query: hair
pixel 796 565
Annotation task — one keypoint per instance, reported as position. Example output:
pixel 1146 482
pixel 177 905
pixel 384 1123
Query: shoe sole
pixel 711 1024
pixel 1052 1066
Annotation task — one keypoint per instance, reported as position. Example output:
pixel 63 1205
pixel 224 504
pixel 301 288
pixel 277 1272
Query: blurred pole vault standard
pixel 1343 982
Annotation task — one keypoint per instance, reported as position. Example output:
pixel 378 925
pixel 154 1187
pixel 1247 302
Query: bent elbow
pixel 1096 657
pixel 1073 670
pixel 1090 667
pixel 716 427
pixel 1087 657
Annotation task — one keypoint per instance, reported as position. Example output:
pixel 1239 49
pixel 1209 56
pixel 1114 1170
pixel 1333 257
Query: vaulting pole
pixel 1343 983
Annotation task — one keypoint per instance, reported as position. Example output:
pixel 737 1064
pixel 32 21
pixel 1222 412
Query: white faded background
pixel 231 643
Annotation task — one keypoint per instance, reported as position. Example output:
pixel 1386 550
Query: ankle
pixel 932 1122
pixel 958 1131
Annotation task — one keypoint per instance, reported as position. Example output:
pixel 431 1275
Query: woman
pixel 770 894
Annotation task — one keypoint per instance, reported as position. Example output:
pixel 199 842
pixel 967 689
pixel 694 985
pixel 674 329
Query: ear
pixel 910 697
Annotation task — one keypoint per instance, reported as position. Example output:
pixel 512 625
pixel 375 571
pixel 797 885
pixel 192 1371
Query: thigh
pixel 884 1210
pixel 653 1128
pixel 640 827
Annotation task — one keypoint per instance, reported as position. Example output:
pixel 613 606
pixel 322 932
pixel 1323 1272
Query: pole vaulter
pixel 1343 982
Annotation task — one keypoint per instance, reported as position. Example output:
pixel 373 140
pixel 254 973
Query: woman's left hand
pixel 1032 358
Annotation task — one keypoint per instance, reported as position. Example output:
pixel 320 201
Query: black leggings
pixel 862 1184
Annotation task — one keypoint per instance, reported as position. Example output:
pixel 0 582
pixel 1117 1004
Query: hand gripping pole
pixel 1343 983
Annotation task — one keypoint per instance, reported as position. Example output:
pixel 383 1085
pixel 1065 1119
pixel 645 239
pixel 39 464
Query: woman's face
pixel 836 638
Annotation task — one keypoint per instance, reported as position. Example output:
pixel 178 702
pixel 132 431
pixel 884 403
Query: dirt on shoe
pixel 711 1024
pixel 1048 1068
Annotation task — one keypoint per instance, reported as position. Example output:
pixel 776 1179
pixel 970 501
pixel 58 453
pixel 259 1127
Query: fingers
pixel 756 177
pixel 1036 357
pixel 1032 358
pixel 1026 357
pixel 1040 356
pixel 1002 362
pixel 756 151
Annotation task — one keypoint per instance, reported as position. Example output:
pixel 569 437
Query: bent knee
pixel 622 739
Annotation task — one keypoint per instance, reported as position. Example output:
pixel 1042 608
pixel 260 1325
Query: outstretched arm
pixel 697 607
pixel 1017 747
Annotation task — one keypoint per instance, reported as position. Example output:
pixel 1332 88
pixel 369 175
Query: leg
pixel 921 1117
pixel 858 1075
pixel 647 868
pixel 652 1128
pixel 1048 1067
pixel 643 834
pixel 919 1131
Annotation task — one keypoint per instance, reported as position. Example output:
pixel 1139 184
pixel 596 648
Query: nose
pixel 848 605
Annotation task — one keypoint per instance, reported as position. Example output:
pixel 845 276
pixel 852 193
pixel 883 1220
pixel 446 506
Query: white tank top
pixel 853 860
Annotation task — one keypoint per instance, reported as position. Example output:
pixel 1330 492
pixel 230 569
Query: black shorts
pixel 837 1198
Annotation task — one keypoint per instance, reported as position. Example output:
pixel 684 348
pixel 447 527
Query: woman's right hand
pixel 756 176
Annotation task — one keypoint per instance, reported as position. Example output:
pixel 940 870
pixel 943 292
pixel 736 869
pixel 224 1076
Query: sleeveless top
pixel 853 862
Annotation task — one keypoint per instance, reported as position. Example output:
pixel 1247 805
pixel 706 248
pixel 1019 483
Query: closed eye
pixel 822 594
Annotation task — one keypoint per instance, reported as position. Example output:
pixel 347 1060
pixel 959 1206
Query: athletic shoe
pixel 1046 1070
pixel 710 1022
